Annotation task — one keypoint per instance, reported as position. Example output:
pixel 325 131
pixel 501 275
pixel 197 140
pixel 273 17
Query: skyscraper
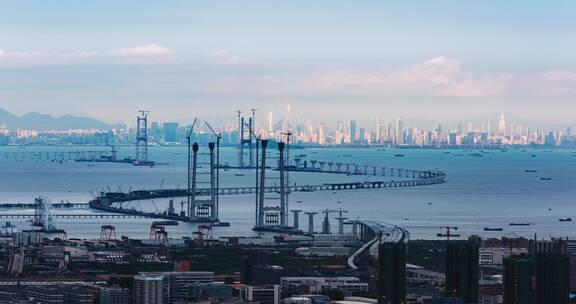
pixel 322 133
pixel 270 119
pixel 501 125
pixel 170 132
pixel 540 279
pixel 519 280
pixel 399 131
pixel 462 271
pixel 352 131
pixel 148 289
pixel 114 295
pixel 391 273
pixel 177 283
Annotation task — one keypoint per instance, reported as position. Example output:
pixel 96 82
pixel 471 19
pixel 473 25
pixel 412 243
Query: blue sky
pixel 440 60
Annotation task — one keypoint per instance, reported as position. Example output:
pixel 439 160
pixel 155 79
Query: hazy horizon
pixel 444 61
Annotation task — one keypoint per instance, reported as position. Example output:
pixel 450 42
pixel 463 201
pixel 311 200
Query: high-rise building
pixel 270 120
pixel 391 273
pixel 155 131
pixel 149 289
pixel 519 280
pixel 61 294
pixel 349 286
pixel 322 133
pixel 553 278
pixel 362 135
pixel 399 131
pixel 262 294
pixel 352 131
pixel 462 270
pixel 501 125
pixel 540 279
pixel 537 247
pixel 170 132
pixel 176 283
pixel 114 295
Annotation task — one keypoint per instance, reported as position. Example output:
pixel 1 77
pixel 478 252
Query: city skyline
pixel 444 60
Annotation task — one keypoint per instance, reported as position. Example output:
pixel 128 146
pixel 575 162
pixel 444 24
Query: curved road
pixel 384 232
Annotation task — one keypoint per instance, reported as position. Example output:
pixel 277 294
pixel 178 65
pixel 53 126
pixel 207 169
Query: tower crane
pixel 448 233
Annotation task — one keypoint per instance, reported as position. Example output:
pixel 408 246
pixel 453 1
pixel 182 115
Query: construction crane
pixel 448 233
pixel 107 233
pixel 218 138
pixel 188 139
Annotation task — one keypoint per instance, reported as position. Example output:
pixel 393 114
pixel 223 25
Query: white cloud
pixel 30 58
pixel 144 50
pixel 438 76
pixel 226 56
pixel 435 77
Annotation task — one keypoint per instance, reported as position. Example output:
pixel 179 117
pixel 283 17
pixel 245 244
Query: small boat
pixel 475 155
pixel 492 229
pixel 545 178
pixel 530 171
pixel 533 155
pixel 568 219
pixel 238 174
pixel 519 224
pixel 398 155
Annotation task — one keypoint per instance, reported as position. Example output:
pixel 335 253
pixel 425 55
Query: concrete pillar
pixel 311 221
pixel 296 219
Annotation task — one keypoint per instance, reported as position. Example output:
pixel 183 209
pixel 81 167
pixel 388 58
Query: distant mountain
pixel 41 122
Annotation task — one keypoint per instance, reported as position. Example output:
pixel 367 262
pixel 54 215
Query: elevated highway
pixel 373 233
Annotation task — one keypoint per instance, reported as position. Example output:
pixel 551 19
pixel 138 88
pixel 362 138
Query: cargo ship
pixel 492 229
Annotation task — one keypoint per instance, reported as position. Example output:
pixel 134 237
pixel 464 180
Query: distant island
pixel 43 122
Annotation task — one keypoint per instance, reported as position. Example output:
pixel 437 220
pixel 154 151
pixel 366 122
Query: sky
pixel 329 60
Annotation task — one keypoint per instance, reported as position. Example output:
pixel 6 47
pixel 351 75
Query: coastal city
pixel 289 259
pixel 287 152
pixel 339 133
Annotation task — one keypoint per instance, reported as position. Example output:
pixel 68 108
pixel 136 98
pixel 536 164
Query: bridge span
pixel 105 201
